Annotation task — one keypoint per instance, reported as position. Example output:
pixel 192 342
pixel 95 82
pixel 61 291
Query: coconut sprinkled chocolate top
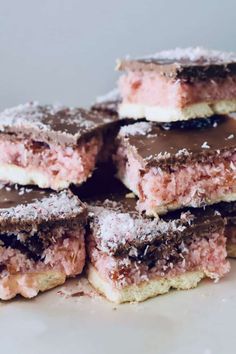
pixel 118 228
pixel 26 207
pixel 165 145
pixel 108 102
pixel 55 124
pixel 184 63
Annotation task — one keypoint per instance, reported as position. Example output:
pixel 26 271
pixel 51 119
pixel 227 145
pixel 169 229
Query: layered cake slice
pixel 183 164
pixel 51 146
pixel 41 240
pixel 132 257
pixel 178 84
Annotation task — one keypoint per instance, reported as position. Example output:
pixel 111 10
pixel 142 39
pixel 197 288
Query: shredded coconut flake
pixel 43 118
pixel 163 155
pixel 116 228
pixel 141 128
pixel 182 152
pixel 112 95
pixel 194 54
pixel 26 114
pixel 54 205
pixel 231 136
pixel 205 145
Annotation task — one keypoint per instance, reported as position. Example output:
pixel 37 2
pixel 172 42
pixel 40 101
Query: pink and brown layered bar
pixel 41 240
pixel 133 258
pixel 189 164
pixel 178 84
pixel 50 146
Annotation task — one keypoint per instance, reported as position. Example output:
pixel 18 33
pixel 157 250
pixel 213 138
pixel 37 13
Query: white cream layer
pixel 15 174
pixel 167 114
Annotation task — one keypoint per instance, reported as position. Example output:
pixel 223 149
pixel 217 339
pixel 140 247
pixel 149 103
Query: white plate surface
pixel 199 321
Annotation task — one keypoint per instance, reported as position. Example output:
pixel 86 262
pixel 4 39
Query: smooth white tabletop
pixel 199 321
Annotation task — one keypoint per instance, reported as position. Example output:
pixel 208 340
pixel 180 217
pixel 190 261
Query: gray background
pixel 64 51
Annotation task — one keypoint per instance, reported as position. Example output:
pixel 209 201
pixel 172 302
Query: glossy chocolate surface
pixel 28 208
pixel 59 125
pixel 116 203
pixel 185 64
pixel 166 145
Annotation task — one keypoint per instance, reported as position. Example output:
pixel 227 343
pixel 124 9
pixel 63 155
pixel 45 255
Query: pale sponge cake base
pixel 170 207
pixel 145 290
pixel 20 175
pixel 30 284
pixel 167 114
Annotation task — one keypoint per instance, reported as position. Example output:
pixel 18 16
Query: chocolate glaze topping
pixel 60 125
pixel 184 64
pixel 118 229
pixel 164 146
pixel 30 209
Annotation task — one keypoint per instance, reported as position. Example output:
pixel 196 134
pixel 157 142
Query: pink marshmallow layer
pixel 193 184
pixel 152 89
pixel 207 255
pixel 66 254
pixel 71 164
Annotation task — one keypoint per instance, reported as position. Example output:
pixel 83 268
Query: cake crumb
pixel 231 136
pixel 76 289
pixel 130 196
pixel 205 145
pixel 140 128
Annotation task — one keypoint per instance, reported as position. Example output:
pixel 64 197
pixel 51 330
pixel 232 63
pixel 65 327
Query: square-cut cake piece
pixel 178 84
pixel 133 258
pixel 228 211
pixel 51 146
pixel 189 164
pixel 41 240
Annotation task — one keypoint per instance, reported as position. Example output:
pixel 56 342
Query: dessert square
pixel 133 257
pixel 41 240
pixel 178 84
pixel 50 146
pixel 171 166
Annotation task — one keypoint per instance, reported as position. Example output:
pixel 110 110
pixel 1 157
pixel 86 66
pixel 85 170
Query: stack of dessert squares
pixel 138 192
